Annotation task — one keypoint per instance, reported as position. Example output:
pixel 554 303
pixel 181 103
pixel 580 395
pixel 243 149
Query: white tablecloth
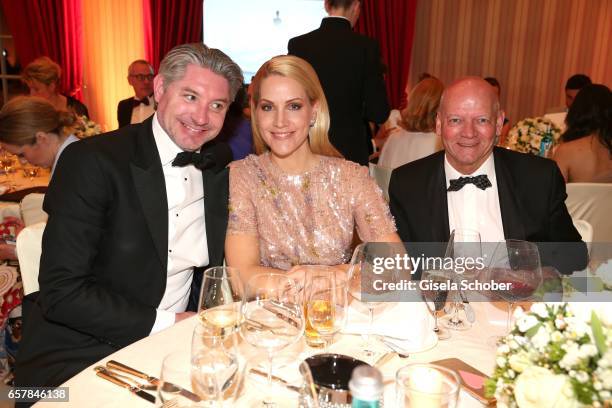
pixel 88 390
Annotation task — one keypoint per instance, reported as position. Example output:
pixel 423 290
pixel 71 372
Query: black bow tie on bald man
pixel 201 161
pixel 481 181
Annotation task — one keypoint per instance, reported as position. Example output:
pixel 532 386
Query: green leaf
pixel 598 334
pixel 490 386
pixel 532 332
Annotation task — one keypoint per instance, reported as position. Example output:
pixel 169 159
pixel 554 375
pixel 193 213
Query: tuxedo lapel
pixel 216 191
pixel 508 205
pixel 437 201
pixel 148 178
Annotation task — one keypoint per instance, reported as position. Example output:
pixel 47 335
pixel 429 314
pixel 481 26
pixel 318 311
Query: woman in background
pixel 32 128
pixel 586 152
pixel 43 78
pixel 297 202
pixel 415 137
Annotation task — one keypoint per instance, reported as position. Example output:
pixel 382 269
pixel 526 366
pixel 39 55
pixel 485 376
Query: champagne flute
pixel 221 295
pixel 326 301
pixel 215 370
pixel 436 295
pixel 273 317
pixel 463 243
pixel 517 264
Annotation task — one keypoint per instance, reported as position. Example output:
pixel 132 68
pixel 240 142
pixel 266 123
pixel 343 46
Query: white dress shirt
pixel 472 208
pixel 142 111
pixel 187 245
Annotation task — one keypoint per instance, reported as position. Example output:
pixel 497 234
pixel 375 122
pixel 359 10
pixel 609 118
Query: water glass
pixel 426 386
pixel 175 372
pixel 215 368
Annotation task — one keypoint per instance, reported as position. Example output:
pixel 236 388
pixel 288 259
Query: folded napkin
pixel 408 325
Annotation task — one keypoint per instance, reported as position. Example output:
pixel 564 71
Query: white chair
pixel 31 209
pixel 592 202
pixel 382 175
pixel 585 229
pixel 29 248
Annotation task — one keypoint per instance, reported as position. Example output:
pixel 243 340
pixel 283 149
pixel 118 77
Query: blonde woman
pixel 297 202
pixel 43 78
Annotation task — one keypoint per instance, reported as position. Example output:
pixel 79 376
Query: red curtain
pixel 173 23
pixel 391 23
pixel 52 28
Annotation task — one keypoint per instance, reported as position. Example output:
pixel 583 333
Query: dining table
pixel 472 346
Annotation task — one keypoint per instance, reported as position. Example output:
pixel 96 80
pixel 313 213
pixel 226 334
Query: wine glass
pixel 517 264
pixel 463 244
pixel 435 294
pixel 215 370
pixel 326 301
pixel 221 295
pixel 273 317
pixel 367 275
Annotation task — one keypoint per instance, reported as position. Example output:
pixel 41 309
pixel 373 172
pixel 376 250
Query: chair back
pixel 29 248
pixel 32 209
pixel 592 202
pixel 382 175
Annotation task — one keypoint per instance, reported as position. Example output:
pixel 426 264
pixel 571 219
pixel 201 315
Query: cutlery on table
pixel 400 353
pixel 104 373
pixel 115 365
pixel 277 379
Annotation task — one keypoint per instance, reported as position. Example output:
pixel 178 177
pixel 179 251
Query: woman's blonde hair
pixel 423 102
pixel 22 117
pixel 43 70
pixel 289 66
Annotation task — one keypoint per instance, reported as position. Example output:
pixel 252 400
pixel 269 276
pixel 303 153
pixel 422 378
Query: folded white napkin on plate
pixel 408 325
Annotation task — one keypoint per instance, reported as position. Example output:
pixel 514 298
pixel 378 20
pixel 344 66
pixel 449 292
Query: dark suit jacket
pixel 124 112
pixel 349 67
pixel 531 200
pixel 104 261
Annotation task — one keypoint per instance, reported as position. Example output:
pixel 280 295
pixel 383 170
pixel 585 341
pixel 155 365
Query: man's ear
pixel 158 87
pixel 438 125
pixel 499 124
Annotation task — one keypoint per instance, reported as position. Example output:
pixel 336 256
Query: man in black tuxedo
pixel 133 216
pixel 473 185
pixel 142 105
pixel 349 67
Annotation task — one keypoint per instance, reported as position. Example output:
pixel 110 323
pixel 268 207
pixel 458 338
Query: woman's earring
pixel 312 123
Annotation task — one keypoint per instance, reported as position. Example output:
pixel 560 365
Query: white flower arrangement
pixel 86 127
pixel 526 136
pixel 557 355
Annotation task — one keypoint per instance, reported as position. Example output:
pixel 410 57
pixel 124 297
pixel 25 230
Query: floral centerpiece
pixel 526 136
pixel 85 127
pixel 557 355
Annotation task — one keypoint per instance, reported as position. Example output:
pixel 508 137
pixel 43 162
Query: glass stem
pixel 510 306
pixel 270 358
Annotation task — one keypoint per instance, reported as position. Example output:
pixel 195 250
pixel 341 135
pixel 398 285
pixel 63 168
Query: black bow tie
pixel 481 181
pixel 144 101
pixel 201 161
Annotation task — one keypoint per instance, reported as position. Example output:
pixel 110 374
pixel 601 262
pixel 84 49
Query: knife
pixel 277 379
pixel 153 380
pixel 134 390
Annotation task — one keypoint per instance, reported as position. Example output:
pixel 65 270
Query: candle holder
pixel 426 386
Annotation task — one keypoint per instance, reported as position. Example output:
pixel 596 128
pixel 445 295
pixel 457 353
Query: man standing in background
pixel 350 69
pixel 142 105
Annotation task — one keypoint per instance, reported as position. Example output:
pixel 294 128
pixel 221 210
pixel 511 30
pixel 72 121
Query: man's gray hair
pixel 175 63
pixel 140 61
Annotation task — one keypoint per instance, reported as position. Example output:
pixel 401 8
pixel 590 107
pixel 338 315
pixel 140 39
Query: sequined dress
pixel 307 218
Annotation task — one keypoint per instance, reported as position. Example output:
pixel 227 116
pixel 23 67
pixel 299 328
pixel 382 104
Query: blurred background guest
pixel 414 137
pixel 141 105
pixel 573 85
pixel 236 131
pixel 33 129
pixel 586 152
pixel 43 78
pixel 506 128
